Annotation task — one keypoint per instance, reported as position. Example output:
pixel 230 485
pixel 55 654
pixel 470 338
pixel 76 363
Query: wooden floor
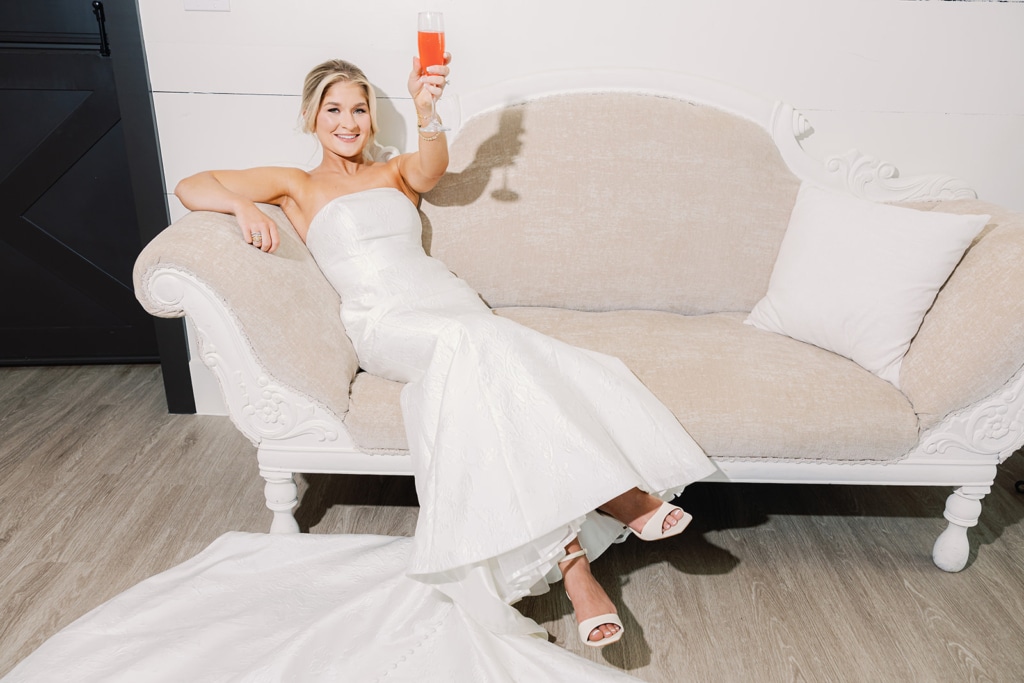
pixel 100 488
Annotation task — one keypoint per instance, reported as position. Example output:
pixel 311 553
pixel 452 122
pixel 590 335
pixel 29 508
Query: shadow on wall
pixel 390 120
pixel 465 187
pixel 498 151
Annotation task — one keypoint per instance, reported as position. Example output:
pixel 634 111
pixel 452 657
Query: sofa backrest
pixel 605 201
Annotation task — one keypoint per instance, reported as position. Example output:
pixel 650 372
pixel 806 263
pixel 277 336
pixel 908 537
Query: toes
pixel 603 631
pixel 671 519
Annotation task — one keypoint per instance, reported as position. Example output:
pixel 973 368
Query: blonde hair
pixel 323 77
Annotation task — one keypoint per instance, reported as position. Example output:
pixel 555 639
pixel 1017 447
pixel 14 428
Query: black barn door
pixel 81 190
pixel 68 229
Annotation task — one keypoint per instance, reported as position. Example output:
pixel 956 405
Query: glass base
pixel 434 126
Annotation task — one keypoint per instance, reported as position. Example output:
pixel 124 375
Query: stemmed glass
pixel 430 36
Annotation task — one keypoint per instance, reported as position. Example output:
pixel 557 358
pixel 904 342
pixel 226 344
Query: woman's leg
pixel 634 508
pixel 588 598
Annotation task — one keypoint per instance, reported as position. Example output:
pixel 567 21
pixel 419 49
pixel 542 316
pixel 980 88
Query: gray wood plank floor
pixel 100 489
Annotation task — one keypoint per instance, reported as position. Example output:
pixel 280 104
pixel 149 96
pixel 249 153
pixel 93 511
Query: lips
pixel 347 137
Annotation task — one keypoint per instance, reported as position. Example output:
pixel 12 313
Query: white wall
pixel 930 86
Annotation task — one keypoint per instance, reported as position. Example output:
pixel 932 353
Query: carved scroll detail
pixel 269 410
pixel 260 407
pixel 993 426
pixel 871 178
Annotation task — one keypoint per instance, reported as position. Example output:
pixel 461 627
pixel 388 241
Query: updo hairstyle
pixel 323 77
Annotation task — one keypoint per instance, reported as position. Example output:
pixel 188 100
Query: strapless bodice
pixel 369 246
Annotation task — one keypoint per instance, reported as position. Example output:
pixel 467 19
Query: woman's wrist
pixel 422 118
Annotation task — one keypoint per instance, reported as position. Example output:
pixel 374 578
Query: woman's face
pixel 343 122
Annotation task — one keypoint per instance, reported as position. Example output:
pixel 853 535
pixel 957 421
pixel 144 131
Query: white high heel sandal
pixel 589 625
pixel 654 529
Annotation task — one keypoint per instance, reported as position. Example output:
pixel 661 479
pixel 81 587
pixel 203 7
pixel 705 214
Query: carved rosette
pixel 992 427
pixel 273 413
pixel 871 178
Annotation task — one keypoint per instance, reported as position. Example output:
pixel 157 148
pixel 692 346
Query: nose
pixel 347 121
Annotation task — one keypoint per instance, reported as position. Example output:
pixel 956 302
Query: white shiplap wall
pixel 930 86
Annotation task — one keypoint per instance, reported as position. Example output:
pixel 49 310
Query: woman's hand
pixel 257 228
pixel 428 86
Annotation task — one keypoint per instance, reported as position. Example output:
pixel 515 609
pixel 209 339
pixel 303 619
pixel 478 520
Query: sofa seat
pixel 742 393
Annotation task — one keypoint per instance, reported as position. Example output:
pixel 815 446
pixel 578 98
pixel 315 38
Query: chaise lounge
pixel 643 215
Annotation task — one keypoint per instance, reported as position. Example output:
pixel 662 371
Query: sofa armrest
pixel 971 342
pixel 283 310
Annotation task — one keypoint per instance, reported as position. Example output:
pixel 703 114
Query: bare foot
pixel 588 598
pixel 635 508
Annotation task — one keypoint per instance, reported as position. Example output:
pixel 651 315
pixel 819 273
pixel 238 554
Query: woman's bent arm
pixel 236 192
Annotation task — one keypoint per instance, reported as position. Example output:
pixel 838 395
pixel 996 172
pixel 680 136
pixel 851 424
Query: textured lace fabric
pixel 516 438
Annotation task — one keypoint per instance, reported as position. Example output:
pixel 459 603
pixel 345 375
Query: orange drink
pixel 431 45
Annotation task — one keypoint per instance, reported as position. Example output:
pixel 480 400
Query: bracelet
pixel 420 120
pixel 431 138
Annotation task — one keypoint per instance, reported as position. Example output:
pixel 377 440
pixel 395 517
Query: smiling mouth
pixel 346 137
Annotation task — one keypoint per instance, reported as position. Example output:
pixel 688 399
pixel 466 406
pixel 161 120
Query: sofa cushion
pixel 856 277
pixel 972 339
pixel 374 417
pixel 742 393
pixel 533 210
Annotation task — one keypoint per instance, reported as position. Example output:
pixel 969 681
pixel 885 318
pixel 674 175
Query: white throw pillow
pixel 856 278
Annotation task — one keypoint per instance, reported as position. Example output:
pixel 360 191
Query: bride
pixel 526 450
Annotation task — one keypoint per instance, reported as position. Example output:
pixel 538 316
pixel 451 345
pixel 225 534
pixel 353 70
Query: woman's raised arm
pixel 422 169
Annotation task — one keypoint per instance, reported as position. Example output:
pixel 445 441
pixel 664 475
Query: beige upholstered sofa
pixel 639 214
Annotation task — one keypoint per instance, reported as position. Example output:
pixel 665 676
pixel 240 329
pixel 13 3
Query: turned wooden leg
pixel 963 508
pixel 282 497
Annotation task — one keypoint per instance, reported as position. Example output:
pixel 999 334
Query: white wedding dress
pixel 515 437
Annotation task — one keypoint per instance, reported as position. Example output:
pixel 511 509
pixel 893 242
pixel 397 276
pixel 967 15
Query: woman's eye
pixel 360 111
pixel 333 110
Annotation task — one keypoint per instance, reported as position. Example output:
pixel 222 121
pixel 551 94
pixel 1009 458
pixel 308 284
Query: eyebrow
pixel 338 104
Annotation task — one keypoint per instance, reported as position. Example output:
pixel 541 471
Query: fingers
pixel 275 241
pixel 435 89
pixel 435 80
pixel 431 83
pixel 264 237
pixel 438 70
pixel 435 70
pixel 417 66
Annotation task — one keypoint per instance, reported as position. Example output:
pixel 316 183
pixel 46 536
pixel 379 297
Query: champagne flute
pixel 430 36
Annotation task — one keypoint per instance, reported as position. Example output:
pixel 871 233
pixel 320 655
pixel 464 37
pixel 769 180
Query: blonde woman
pixel 525 449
